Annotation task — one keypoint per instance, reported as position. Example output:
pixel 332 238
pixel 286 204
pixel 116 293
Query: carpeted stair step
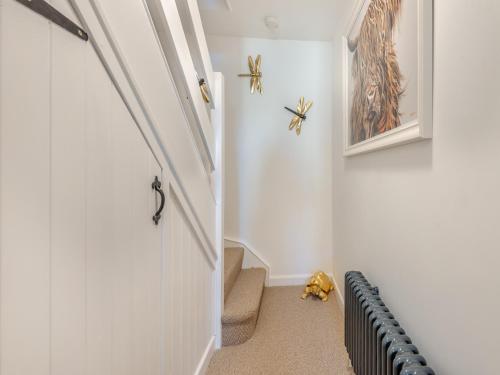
pixel 233 259
pixel 242 306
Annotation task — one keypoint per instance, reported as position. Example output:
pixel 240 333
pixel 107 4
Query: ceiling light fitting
pixel 272 23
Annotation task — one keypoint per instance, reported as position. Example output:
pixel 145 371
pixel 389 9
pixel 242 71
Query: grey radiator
pixel 376 343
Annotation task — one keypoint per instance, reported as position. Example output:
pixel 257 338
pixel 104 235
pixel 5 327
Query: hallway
pixel 292 337
pixel 176 174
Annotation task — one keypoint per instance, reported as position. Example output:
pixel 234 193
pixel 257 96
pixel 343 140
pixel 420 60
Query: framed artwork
pixel 387 74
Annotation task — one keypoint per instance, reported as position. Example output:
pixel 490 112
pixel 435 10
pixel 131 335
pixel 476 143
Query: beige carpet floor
pixel 293 337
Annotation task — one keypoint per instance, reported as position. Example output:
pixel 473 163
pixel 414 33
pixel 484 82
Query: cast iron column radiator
pixel 376 343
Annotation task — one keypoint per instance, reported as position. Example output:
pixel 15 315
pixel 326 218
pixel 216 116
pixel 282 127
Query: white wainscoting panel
pixel 189 292
pixel 68 192
pixel 24 192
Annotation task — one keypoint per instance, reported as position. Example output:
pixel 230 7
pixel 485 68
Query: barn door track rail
pixel 48 11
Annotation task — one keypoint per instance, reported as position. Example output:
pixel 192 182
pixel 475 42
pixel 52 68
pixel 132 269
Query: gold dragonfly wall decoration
pixel 300 115
pixel 255 74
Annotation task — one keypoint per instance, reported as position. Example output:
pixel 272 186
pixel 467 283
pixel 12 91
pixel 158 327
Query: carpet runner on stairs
pixel 243 290
pixel 233 260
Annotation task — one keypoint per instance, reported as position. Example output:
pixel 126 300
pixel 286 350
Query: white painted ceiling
pixel 298 19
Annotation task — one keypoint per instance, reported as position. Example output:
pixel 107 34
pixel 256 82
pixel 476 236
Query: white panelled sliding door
pixel 81 259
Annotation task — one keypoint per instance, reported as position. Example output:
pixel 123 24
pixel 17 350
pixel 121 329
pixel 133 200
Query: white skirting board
pixel 290 280
pixel 205 359
pixel 338 295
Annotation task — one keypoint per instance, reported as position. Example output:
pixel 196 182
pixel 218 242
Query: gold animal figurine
pixel 319 285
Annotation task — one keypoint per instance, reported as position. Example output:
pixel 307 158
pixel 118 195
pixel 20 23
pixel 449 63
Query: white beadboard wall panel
pixel 125 253
pixel 67 203
pixel 189 294
pixel 25 191
pixel 123 356
pixel 98 219
pixel 64 7
pixel 136 285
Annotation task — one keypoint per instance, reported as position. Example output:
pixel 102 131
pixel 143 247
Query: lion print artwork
pixel 376 76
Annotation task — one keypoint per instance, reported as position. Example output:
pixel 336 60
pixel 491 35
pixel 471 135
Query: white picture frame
pixel 422 126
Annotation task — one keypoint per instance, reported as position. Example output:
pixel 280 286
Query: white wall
pixel 278 194
pixel 422 220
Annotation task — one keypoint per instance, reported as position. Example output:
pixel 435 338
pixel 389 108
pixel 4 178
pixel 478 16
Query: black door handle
pixel 157 187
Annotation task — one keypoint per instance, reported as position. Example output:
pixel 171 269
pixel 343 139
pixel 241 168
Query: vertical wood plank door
pixel 24 192
pixel 81 260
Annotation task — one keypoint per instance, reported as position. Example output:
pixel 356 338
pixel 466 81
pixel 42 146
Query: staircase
pixel 243 290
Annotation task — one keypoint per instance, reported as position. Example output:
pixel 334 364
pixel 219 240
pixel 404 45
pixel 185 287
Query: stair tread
pixel 243 302
pixel 233 259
